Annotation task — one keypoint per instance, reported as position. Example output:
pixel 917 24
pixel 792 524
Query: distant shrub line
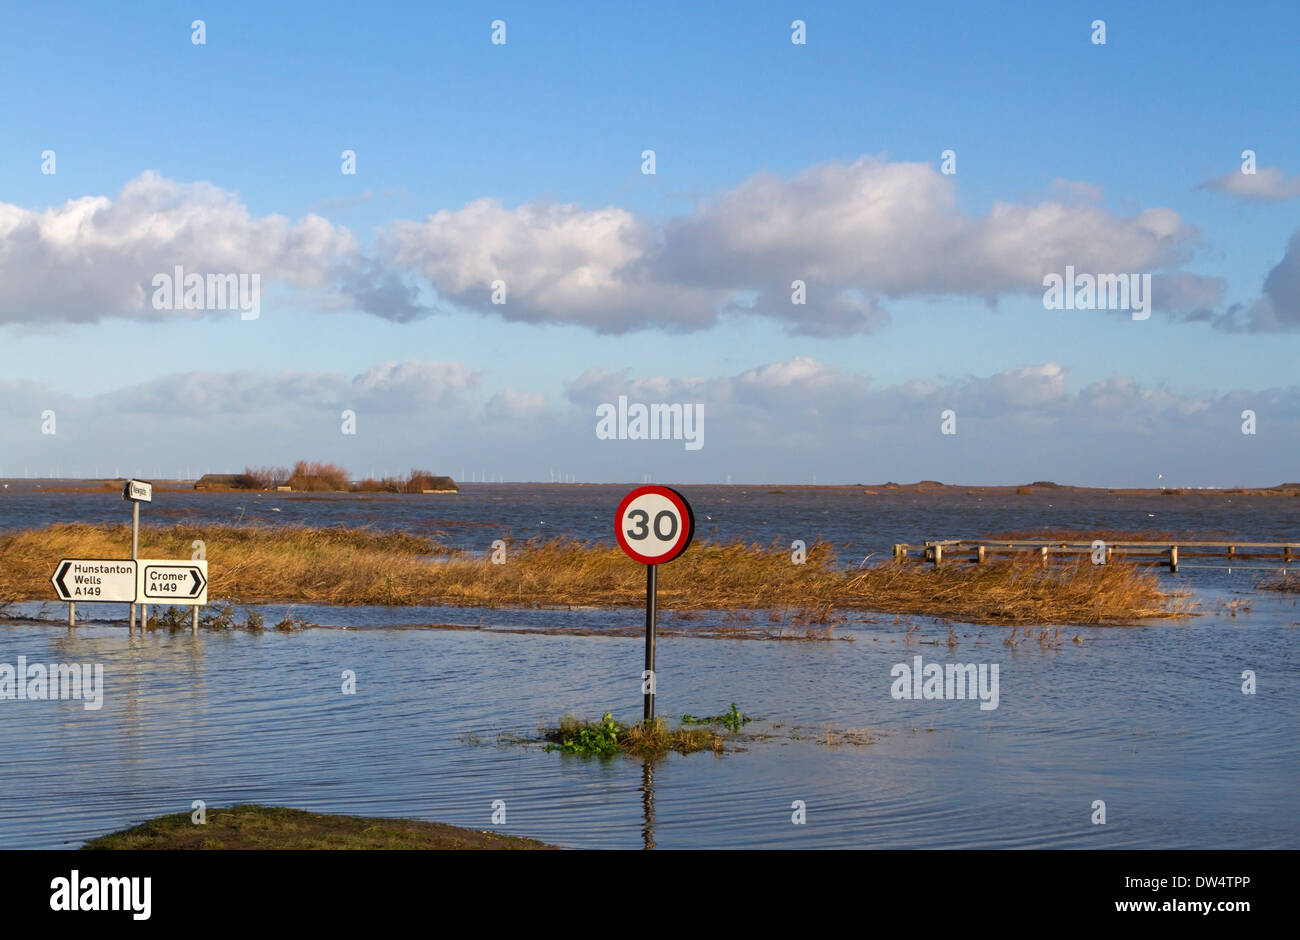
pixel 313 476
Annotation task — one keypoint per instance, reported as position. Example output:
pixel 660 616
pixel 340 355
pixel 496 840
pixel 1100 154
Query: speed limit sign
pixel 654 524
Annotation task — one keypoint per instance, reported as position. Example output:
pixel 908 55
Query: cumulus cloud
pixel 852 233
pixel 559 264
pixel 508 403
pixel 403 386
pixel 96 257
pixel 387 387
pixel 1266 184
pixel 894 229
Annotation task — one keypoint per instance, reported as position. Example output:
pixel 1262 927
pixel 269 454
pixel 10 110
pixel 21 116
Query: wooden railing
pixel 938 551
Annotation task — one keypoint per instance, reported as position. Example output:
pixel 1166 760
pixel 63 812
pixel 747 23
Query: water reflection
pixel 1150 719
pixel 648 803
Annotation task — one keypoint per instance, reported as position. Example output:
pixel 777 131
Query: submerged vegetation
pixel 607 737
pixel 1284 583
pixel 217 618
pixel 655 738
pixel 732 719
pixel 268 564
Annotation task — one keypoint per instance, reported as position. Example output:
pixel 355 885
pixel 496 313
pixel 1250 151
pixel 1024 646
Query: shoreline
pixel 921 487
pixel 277 828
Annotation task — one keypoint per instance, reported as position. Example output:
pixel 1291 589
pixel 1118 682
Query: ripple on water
pixel 1151 720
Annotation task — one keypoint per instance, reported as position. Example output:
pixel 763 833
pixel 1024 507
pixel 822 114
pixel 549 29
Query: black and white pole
pixel 653 525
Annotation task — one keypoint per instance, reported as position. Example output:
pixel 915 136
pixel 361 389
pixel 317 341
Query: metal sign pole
pixel 651 583
pixel 652 525
pixel 135 550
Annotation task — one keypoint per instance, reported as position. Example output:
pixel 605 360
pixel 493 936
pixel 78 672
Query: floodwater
pixel 1150 719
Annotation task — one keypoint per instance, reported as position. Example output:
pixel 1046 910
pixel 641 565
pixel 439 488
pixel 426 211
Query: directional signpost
pixel 94 579
pixel 653 525
pixel 136 492
pixel 179 583
pixel 87 579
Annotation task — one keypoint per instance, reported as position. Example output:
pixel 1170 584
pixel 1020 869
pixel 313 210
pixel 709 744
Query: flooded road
pixel 1150 719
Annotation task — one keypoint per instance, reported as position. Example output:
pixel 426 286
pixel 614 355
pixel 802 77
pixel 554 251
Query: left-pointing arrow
pixel 58 579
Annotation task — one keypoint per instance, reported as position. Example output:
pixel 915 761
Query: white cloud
pixel 1266 184
pixel 854 233
pixel 387 387
pixel 403 386
pixel 857 234
pixel 95 257
pixel 509 404
pixel 559 263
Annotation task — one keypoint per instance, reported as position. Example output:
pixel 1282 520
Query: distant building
pixel 435 484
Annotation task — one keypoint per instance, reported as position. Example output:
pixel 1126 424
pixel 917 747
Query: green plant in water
pixel 732 719
pixel 599 739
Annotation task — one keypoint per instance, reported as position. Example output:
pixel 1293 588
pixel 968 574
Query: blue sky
pixel 559 115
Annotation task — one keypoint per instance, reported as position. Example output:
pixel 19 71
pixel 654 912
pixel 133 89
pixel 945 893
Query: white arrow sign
pixel 182 583
pixel 95 579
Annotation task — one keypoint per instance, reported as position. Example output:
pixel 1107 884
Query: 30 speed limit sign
pixel 654 524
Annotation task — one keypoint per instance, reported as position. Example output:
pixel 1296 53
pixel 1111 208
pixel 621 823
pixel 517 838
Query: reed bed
pixel 263 564
pixel 1285 584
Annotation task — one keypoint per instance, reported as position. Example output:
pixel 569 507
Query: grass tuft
pixel 607 737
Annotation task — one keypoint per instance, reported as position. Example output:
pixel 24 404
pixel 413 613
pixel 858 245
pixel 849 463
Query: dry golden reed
pixel 261 564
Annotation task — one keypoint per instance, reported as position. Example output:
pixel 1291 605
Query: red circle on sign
pixel 643 539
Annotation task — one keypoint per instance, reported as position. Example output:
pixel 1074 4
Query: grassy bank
pixel 260 564
pixel 275 827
